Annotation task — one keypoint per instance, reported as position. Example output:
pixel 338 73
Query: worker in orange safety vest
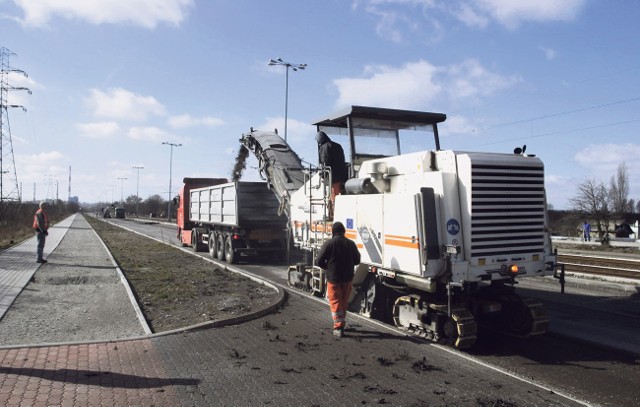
pixel 41 227
pixel 338 256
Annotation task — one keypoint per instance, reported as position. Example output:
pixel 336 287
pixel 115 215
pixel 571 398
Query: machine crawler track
pixel 534 321
pixel 433 322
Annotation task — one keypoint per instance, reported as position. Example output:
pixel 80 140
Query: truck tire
pixel 220 246
pixel 194 241
pixel 198 246
pixel 228 251
pixel 212 245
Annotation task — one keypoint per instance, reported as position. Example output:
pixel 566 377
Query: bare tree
pixel 592 203
pixel 619 191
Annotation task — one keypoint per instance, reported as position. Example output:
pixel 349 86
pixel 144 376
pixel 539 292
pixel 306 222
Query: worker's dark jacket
pixel 338 256
pixel 332 155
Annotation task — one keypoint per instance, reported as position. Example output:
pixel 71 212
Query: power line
pixel 558 132
pixel 547 116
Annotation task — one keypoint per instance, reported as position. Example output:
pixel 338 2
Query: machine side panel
pixel 400 241
pixel 362 215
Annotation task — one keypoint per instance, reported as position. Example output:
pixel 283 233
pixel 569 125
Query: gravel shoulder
pixel 78 296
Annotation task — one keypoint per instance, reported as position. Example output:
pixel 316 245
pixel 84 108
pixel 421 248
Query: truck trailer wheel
pixel 219 246
pixel 228 250
pixel 212 245
pixel 194 241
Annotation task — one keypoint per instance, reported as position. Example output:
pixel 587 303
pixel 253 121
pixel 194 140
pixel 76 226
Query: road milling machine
pixel 444 235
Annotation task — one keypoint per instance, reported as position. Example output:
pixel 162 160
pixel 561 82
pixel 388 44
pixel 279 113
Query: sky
pixel 111 80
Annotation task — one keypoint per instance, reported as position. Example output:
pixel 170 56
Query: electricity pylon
pixel 8 178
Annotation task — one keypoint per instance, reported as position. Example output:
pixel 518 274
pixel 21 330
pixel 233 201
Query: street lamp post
pixel 171 145
pixel 295 67
pixel 112 186
pixel 138 167
pixel 122 189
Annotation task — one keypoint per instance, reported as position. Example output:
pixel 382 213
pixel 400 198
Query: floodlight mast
pixel 171 145
pixel 295 68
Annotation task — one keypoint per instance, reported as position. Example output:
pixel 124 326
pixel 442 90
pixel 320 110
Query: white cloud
pixel 548 53
pixel 605 158
pixel 144 13
pixel 512 13
pixel 186 120
pixel 120 103
pixel 470 17
pixel 42 158
pixel 416 84
pixel 41 170
pixel 406 87
pixel 470 79
pixel 98 130
pixel 397 19
pixel 150 134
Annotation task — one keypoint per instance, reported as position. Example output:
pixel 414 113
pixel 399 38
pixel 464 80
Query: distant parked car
pixel 623 230
pixel 120 213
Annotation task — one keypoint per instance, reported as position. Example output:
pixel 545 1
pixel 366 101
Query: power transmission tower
pixel 9 190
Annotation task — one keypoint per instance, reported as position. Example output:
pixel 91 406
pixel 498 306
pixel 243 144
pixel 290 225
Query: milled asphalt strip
pixel 395 330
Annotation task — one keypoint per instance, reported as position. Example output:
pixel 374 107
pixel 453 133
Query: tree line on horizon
pixel 604 206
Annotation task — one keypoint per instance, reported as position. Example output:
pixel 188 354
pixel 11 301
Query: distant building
pixel 74 199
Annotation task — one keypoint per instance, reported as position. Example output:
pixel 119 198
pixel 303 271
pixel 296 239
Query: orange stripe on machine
pixel 402 241
pixel 351 234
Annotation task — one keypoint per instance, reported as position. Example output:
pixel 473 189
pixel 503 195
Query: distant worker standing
pixel 338 256
pixel 41 227
pixel 331 154
pixel 586 232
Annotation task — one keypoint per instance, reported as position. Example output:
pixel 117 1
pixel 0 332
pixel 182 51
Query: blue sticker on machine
pixel 349 223
pixel 453 227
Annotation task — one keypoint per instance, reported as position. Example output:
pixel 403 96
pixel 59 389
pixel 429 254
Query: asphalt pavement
pixel 288 357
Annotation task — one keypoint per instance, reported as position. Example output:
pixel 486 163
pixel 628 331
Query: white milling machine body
pixel 444 235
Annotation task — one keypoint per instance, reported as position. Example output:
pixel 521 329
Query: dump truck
pixel 232 220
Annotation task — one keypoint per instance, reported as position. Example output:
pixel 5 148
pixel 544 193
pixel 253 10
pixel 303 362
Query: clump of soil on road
pixel 175 289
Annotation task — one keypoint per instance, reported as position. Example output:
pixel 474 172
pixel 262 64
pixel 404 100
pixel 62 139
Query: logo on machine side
pixel 364 235
pixel 453 227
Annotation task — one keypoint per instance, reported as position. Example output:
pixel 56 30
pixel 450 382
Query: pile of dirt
pixel 175 289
